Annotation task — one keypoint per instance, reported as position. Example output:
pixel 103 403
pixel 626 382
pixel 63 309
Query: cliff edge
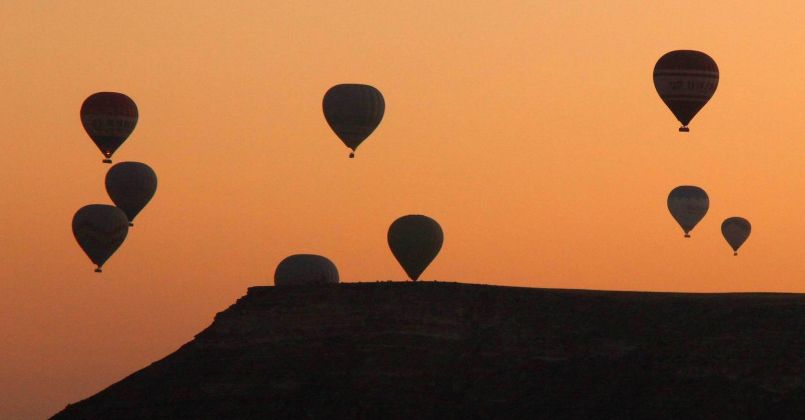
pixel 451 350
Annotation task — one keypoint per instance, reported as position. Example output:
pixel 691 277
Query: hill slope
pixel 417 350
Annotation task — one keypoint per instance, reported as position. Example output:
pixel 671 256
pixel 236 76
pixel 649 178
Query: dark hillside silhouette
pixel 447 350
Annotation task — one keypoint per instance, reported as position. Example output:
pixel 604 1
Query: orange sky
pixel 531 132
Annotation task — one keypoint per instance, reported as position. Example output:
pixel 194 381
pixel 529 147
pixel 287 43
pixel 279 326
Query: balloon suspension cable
pixel 107 160
pixel 684 129
pixel 98 270
pixel 687 235
pixel 352 155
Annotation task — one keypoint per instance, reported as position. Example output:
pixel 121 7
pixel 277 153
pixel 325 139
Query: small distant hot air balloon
pixel 109 118
pixel 688 204
pixel 100 229
pixel 353 111
pixel 685 80
pixel 415 240
pixel 305 269
pixel 131 185
pixel 736 230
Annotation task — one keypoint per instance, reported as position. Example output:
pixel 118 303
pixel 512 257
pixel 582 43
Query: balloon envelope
pixel 415 240
pixel 685 80
pixel 305 269
pixel 131 185
pixel 100 229
pixel 353 111
pixel 688 205
pixel 109 118
pixel 736 231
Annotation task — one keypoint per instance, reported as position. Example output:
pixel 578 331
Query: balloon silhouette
pixel 109 118
pixel 415 240
pixel 736 231
pixel 688 205
pixel 685 80
pixel 305 269
pixel 131 185
pixel 353 112
pixel 100 229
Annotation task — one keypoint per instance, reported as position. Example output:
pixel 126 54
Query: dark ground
pixel 448 350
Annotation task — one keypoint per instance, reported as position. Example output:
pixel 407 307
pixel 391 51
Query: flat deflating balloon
pixel 305 270
pixel 688 205
pixel 353 111
pixel 100 229
pixel 109 118
pixel 685 80
pixel 415 240
pixel 131 185
pixel 736 231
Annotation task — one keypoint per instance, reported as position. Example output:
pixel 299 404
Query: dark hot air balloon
pixel 688 204
pixel 304 270
pixel 685 80
pixel 131 185
pixel 353 112
pixel 415 240
pixel 100 229
pixel 736 230
pixel 109 118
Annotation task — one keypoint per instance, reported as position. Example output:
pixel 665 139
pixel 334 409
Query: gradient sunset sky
pixel 530 130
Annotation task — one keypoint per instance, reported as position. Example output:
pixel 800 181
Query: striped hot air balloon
pixel 109 118
pixel 685 80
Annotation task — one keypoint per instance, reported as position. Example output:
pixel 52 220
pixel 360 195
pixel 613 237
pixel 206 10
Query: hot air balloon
pixel 109 118
pixel 736 230
pixel 100 229
pixel 305 269
pixel 353 111
pixel 131 185
pixel 688 205
pixel 685 80
pixel 415 240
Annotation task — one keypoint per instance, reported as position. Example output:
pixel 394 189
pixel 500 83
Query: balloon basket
pixel 684 129
pixel 735 254
pixel 687 235
pixel 131 224
pixel 107 161
pixel 98 270
pixel 352 155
